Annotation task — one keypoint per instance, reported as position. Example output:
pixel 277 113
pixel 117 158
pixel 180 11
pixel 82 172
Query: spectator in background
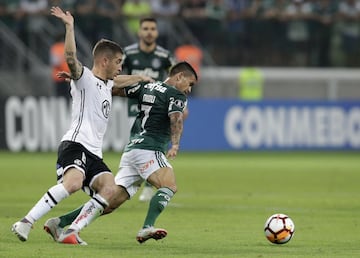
pixel 297 15
pixel 133 11
pixel 86 20
pixel 67 5
pixel 215 14
pixel 58 64
pixel 193 13
pixel 275 32
pixel 31 16
pixel 256 30
pixel 322 31
pixel 349 29
pixel 7 11
pixel 165 12
pixel 192 54
pixel 107 11
pixel 236 29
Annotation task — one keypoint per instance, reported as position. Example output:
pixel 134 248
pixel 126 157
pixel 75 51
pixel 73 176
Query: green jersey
pixel 151 129
pixel 154 64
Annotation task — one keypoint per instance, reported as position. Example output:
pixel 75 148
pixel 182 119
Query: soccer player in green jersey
pixel 146 58
pixel 154 138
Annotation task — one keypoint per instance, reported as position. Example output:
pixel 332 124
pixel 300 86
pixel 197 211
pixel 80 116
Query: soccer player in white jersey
pixel 79 162
pixel 158 124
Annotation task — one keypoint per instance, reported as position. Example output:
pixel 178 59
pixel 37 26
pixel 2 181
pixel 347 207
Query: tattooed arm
pixel 70 46
pixel 176 128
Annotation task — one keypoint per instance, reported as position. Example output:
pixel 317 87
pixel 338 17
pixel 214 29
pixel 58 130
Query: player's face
pixel 185 83
pixel 114 66
pixel 148 32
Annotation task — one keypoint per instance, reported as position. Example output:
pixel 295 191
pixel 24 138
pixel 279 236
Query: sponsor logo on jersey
pixel 155 86
pixel 146 166
pixel 106 108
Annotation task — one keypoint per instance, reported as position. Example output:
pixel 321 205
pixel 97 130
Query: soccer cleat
pixel 71 238
pixel 146 194
pixel 151 232
pixel 21 230
pixel 52 227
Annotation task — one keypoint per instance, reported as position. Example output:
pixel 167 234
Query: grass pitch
pixel 219 211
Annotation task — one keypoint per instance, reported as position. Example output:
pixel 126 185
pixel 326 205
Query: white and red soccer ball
pixel 279 228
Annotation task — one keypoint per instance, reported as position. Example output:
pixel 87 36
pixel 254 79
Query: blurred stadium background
pixel 305 55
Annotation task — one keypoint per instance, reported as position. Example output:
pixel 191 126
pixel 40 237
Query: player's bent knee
pixel 108 192
pixel 119 197
pixel 72 187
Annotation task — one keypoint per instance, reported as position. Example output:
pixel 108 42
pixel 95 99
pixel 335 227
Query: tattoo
pixel 176 127
pixel 74 65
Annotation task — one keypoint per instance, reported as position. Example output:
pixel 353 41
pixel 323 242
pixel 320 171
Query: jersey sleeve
pixel 177 102
pixel 83 80
pixel 133 91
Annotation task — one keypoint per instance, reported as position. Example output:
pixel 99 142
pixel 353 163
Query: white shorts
pixel 136 166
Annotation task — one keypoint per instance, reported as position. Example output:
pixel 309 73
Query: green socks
pixel 68 218
pixel 157 205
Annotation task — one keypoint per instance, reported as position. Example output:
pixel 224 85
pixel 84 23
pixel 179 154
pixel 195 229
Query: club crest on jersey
pixel 106 108
pixel 156 63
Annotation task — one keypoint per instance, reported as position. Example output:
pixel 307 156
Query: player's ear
pixel 104 61
pixel 179 76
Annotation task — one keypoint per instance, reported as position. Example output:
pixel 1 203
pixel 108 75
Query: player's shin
pixel 89 212
pixel 68 218
pixel 49 200
pixel 157 204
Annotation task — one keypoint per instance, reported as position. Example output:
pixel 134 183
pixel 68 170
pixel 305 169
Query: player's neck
pixel 170 81
pixel 147 48
pixel 99 73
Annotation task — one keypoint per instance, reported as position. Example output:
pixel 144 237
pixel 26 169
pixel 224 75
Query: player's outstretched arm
pixel 70 46
pixel 122 80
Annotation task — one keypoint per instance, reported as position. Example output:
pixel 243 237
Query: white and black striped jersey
pixel 91 105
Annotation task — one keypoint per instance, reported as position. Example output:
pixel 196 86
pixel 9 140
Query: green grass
pixel 219 211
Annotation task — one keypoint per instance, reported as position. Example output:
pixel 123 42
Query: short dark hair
pixel 105 45
pixel 183 67
pixel 147 19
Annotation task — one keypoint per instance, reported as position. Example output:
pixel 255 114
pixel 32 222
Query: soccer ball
pixel 279 228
